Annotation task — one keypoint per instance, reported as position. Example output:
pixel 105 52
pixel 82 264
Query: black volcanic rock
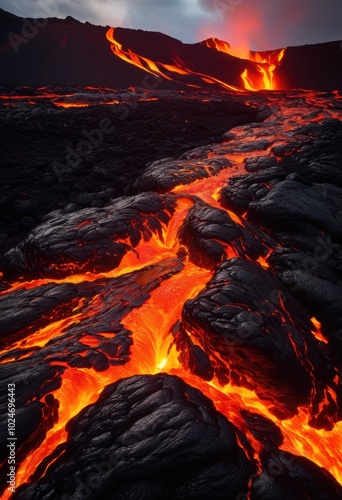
pixel 317 66
pixel 286 476
pixel 61 52
pixel 90 240
pixel 211 236
pixel 263 429
pixel 22 310
pixel 163 175
pixel 147 438
pixel 291 202
pixel 296 193
pixel 254 331
pixel 52 175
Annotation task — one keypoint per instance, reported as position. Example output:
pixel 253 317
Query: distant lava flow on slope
pixel 267 62
pixel 67 52
pixel 183 342
pixel 169 71
pixel 258 76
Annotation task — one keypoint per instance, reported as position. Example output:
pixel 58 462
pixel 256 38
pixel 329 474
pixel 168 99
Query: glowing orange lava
pixel 267 63
pixel 317 331
pixel 153 348
pixel 159 69
pixel 67 105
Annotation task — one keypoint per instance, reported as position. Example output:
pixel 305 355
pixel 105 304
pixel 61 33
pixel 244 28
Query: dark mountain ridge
pixel 68 52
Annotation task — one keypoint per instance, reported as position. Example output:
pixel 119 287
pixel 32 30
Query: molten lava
pixel 264 77
pixel 152 320
pixel 163 70
pixel 266 67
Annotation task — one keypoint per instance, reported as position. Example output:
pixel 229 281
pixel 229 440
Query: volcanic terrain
pixel 171 269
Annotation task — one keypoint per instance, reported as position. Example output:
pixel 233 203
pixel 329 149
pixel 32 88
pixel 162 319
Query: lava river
pixel 187 336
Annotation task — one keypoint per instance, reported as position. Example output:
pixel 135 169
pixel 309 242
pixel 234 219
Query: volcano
pixel 171 267
pixel 54 51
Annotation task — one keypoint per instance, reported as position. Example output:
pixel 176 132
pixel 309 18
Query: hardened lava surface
pixel 182 338
pixel 69 158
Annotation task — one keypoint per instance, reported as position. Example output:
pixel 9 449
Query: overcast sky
pixel 256 24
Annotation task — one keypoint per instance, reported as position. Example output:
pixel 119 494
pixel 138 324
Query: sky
pixel 252 24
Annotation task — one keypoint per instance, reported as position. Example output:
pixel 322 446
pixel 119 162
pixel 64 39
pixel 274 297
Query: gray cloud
pixel 179 18
pixel 258 24
pixel 275 23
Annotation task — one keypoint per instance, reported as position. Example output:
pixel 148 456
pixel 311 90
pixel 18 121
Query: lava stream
pixel 267 63
pixel 151 323
pixel 162 70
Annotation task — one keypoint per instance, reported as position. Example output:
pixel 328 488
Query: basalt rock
pixel 254 331
pixel 147 437
pixel 91 240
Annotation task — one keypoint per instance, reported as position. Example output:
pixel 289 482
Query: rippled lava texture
pixel 171 301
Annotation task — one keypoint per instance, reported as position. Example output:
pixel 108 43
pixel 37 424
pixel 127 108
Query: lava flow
pixel 266 64
pixel 188 284
pixel 171 72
